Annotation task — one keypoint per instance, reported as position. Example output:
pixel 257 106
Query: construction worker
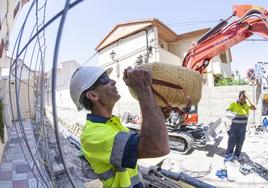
pixel 109 147
pixel 237 131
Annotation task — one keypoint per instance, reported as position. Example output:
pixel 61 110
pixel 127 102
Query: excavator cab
pixel 192 116
pixel 184 131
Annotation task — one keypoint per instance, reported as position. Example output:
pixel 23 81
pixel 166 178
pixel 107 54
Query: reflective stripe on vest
pixel 135 180
pixel 240 119
pixel 111 173
pixel 120 141
pixel 106 175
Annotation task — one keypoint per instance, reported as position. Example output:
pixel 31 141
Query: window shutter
pixel 23 2
pixel 2 45
pixel 16 10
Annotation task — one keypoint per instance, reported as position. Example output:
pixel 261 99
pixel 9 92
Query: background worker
pixel 237 131
pixel 111 150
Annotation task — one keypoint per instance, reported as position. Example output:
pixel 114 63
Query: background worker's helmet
pixel 243 92
pixel 84 78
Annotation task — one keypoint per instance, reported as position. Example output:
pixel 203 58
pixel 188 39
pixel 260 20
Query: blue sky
pixel 89 22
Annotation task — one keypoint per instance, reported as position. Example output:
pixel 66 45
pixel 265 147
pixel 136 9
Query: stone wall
pixel 215 101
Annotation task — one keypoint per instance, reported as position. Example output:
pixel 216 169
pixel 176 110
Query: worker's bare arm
pixel 153 137
pixel 252 105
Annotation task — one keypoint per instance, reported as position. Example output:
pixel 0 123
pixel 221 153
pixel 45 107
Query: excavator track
pixel 181 142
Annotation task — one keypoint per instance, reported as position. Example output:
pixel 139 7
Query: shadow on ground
pixel 213 149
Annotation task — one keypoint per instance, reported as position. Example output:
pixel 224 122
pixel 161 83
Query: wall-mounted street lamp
pixel 116 61
pixel 139 60
pixel 112 55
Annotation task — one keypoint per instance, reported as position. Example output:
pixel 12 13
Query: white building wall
pixel 26 99
pixel 222 68
pixel 169 58
pixel 4 95
pixel 64 100
pixel 7 18
pixel 155 42
pixel 7 21
pixel 66 109
pixel 25 76
pixel 209 75
pixel 64 73
pixel 127 51
pixel 182 46
pixel 23 72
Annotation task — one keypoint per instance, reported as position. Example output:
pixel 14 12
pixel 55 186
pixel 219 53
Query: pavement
pixel 16 169
pixel 203 163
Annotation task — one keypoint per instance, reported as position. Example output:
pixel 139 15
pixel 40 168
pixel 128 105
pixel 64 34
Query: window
pixel 5 72
pixel 223 57
pixel 162 44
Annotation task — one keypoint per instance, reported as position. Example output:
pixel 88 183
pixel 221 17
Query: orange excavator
pixel 249 20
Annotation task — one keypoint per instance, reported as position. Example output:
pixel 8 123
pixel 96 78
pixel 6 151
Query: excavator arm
pixel 250 20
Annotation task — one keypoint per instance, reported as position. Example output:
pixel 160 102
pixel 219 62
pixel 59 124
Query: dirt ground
pixel 203 163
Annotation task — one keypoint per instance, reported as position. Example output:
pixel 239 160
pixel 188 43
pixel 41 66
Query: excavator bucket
pixel 211 133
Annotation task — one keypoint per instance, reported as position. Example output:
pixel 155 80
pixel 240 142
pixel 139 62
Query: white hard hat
pixel 82 79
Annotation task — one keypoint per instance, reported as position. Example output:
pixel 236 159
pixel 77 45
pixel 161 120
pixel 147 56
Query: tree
pixel 225 81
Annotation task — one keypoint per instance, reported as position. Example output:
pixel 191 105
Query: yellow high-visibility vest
pixel 239 109
pixel 103 146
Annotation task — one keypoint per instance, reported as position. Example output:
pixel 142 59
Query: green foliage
pixel 2 128
pixel 222 81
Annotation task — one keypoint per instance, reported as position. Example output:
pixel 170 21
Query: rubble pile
pixel 78 167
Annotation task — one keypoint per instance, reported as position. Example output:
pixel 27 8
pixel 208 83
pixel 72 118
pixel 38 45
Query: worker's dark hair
pixel 242 93
pixel 85 101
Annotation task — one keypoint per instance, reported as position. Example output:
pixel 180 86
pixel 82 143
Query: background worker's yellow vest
pixel 241 117
pixel 239 109
pixel 103 146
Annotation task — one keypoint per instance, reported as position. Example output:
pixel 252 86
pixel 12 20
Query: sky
pixel 90 21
